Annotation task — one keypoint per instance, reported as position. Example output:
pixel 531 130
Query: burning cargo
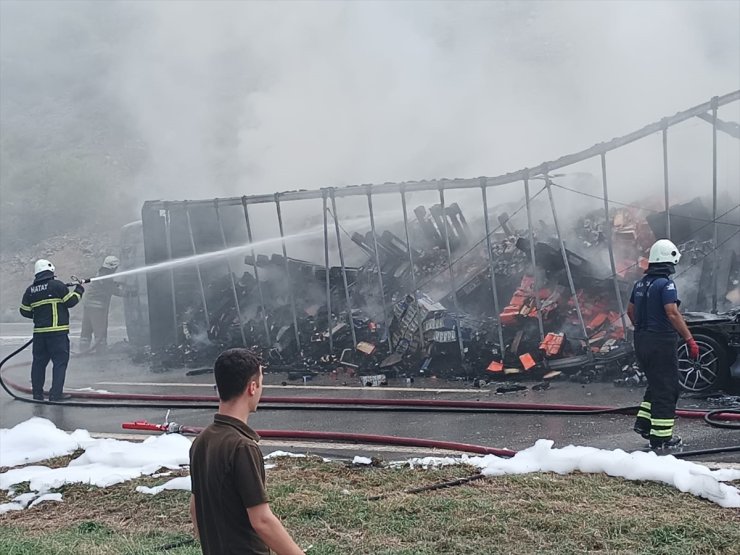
pixel 560 313
pixel 440 290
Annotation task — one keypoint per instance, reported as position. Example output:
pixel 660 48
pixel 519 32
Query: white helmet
pixel 111 262
pixel 42 266
pixel 664 250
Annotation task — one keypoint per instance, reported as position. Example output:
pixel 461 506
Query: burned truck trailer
pixel 288 307
pixel 305 316
pixel 446 288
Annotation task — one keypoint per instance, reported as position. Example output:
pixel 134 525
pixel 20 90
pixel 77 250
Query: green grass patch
pixel 327 506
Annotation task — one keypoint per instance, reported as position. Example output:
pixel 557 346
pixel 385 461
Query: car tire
pixel 709 372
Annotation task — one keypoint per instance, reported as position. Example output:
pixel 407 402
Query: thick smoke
pixel 177 100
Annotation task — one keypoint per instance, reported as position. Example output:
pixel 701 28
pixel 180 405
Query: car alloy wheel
pixel 704 373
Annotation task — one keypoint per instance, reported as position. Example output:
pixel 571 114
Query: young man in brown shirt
pixel 229 504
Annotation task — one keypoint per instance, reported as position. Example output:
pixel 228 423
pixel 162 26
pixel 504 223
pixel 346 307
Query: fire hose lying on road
pixel 377 439
pixel 723 418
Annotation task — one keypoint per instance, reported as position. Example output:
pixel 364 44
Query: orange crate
pixel 527 361
pixel 495 366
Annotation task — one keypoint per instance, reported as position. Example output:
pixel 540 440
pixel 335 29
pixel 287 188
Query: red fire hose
pixel 347 403
pixel 353 404
pixel 384 440
pixel 335 436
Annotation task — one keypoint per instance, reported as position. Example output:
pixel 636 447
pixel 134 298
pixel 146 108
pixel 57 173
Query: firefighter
pixel 96 305
pixel 47 301
pixel 653 311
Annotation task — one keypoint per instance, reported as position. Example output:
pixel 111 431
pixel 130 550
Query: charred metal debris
pixel 436 314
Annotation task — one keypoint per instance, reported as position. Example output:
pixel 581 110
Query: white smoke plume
pixel 231 98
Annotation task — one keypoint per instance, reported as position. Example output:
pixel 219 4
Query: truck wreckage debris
pixel 307 318
pixel 440 291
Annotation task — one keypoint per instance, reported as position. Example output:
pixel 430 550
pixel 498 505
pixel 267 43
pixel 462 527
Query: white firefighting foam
pixel 106 462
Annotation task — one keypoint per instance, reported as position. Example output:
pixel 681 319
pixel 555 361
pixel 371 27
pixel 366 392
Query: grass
pixel 326 506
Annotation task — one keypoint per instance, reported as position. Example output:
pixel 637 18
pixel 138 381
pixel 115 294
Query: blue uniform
pixel 656 342
pixel 650 295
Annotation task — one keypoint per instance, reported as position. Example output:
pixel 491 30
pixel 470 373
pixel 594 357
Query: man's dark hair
pixel 234 369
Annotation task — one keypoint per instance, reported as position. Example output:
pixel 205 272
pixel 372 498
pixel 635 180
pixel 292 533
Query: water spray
pixel 199 258
pixel 194 259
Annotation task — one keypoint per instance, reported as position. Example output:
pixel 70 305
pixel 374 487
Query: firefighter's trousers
pixel 94 324
pixel 46 347
pixel 657 356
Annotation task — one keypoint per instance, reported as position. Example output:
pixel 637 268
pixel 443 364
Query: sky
pixel 232 98
pixel 106 462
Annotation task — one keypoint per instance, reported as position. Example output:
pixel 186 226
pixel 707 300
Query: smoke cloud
pixel 176 100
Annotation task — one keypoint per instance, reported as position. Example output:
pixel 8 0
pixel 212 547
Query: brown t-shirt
pixel 228 476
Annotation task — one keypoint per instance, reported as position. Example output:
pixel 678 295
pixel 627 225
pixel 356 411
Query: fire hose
pixel 378 439
pixel 716 418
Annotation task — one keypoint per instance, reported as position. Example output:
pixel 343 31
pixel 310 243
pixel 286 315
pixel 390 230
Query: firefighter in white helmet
pixel 96 306
pixel 653 311
pixel 47 301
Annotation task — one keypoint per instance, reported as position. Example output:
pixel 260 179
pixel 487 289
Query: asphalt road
pixel 116 373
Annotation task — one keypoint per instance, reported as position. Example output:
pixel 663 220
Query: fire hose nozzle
pixel 167 427
pixel 79 281
pixel 173 428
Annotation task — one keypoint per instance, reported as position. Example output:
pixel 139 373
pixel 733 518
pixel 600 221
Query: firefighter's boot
pixel 671 443
pixel 643 420
pixel 643 430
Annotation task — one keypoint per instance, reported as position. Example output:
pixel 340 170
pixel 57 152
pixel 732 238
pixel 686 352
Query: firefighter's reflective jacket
pixel 48 301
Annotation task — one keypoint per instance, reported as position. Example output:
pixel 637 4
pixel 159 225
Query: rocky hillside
pixel 79 253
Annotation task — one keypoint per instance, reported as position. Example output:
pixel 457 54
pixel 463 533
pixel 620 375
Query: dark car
pixel 718 337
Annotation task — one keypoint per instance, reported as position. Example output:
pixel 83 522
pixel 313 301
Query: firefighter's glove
pixel 693 348
pixel 79 289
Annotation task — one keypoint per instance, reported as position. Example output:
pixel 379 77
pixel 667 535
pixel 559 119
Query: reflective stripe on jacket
pixel 47 301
